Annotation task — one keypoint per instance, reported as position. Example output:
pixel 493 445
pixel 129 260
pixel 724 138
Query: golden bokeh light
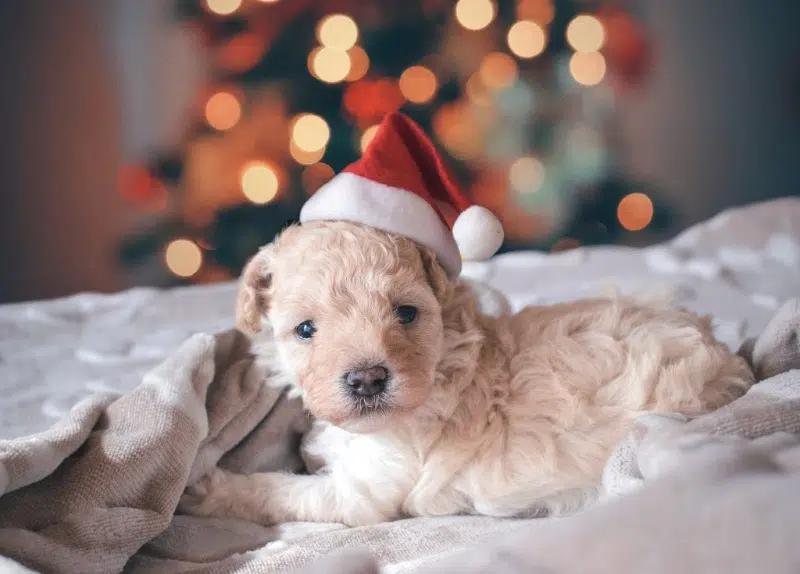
pixel 367 137
pixel 455 126
pixel 588 68
pixel 359 64
pixel 223 111
pixel 498 70
pixel 259 182
pixel 540 11
pixel 418 84
pixel 315 176
pixel 337 31
pixel 310 133
pixel 304 157
pixel 475 14
pixel 223 7
pixel 635 211
pixel 526 174
pixel 183 257
pixel 586 33
pixel 330 65
pixel 526 39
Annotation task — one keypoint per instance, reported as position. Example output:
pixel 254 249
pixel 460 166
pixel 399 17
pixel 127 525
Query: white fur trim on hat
pixel 350 197
pixel 478 233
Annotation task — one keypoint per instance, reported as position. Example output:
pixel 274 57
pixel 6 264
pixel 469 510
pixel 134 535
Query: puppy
pixel 424 406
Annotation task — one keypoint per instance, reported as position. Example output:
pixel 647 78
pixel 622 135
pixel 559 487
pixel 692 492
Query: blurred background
pixel 160 142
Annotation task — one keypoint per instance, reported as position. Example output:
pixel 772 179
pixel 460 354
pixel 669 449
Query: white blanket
pixel 738 267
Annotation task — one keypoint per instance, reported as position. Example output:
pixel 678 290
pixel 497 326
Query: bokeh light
pixel 418 84
pixel 223 111
pixel 635 211
pixel 475 14
pixel 259 182
pixel 310 133
pixel 498 70
pixel 540 11
pixel 315 176
pixel 223 7
pixel 455 126
pixel 183 257
pixel 304 157
pixel 367 137
pixel 359 64
pixel 337 31
pixel 588 68
pixel 585 33
pixel 526 175
pixel 476 91
pixel 526 39
pixel 241 52
pixel 330 65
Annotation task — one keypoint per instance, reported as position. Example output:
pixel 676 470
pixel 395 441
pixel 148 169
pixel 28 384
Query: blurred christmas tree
pixel 519 94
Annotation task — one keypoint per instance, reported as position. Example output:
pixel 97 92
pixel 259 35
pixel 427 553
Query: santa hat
pixel 401 185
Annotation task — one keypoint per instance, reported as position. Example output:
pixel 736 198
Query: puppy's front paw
pixel 206 496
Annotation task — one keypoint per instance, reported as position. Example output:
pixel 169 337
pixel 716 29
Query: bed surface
pixel 738 267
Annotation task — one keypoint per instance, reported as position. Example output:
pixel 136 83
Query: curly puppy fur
pixel 503 416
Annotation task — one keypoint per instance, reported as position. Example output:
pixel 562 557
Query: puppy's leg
pixel 272 498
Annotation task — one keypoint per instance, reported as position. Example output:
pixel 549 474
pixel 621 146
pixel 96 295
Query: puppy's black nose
pixel 367 382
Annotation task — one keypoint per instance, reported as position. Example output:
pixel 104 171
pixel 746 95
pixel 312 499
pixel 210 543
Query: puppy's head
pixel 356 314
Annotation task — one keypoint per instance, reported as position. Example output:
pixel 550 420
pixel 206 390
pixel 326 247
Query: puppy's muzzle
pixel 367 382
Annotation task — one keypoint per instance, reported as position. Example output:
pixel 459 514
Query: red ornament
pixel 137 185
pixel 629 53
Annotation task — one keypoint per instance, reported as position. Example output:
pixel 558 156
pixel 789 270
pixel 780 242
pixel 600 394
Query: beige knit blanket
pixel 96 493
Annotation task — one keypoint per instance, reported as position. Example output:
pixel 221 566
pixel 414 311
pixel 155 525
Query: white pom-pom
pixel 478 233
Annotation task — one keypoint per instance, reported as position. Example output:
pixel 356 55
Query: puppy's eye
pixel 305 330
pixel 406 313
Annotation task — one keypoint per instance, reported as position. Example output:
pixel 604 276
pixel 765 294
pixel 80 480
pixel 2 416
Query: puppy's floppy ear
pixel 437 277
pixel 252 299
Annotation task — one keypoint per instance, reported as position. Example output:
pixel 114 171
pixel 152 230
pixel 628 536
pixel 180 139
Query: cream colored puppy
pixel 425 407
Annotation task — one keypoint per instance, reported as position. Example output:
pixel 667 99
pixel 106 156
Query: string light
pixel 259 182
pixel 223 111
pixel 635 211
pixel 418 84
pixel 183 257
pixel 585 33
pixel 588 68
pixel 329 65
pixel 269 1
pixel 223 7
pixel 315 176
pixel 498 70
pixel 526 175
pixel 475 14
pixel 310 132
pixel 526 39
pixel 337 31
pixel 540 11
pixel 359 64
pixel 367 137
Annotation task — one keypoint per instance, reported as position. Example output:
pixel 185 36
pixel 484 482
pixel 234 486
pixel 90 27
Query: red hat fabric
pixel 401 185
